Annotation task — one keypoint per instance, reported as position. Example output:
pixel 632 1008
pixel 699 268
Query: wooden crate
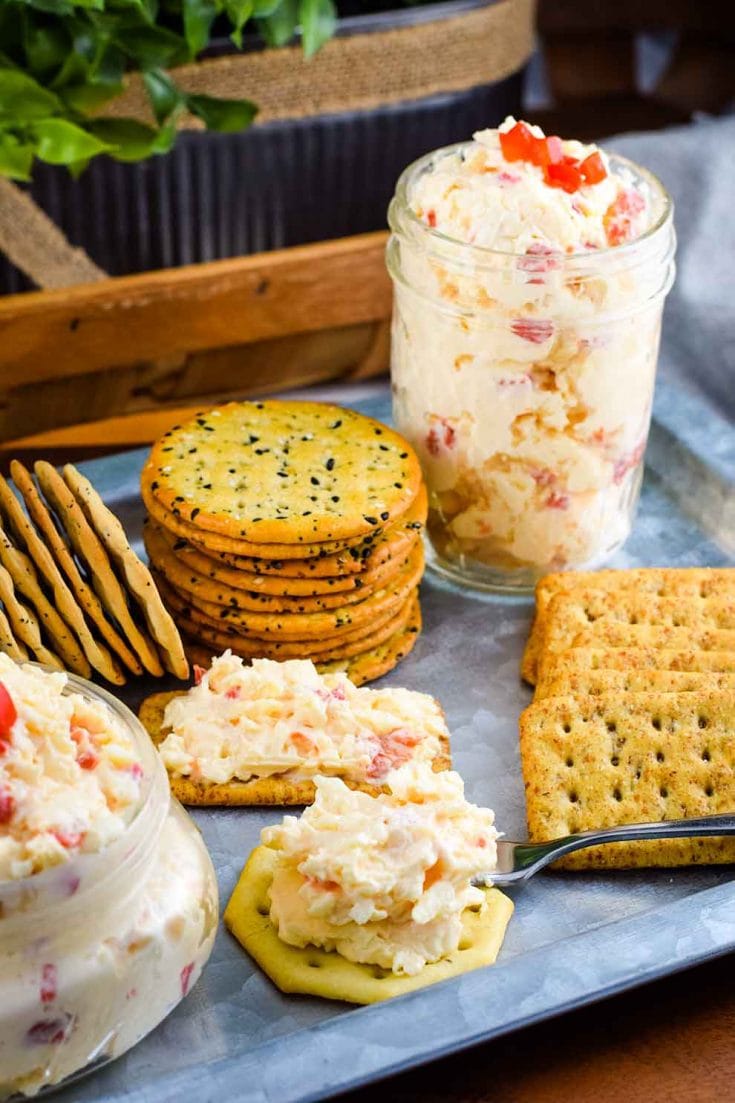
pixel 206 332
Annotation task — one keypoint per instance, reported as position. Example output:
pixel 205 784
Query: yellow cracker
pixel 320 973
pixel 276 791
pixel 378 660
pixel 285 472
pixel 308 625
pixel 24 625
pixel 25 580
pixel 135 573
pixel 580 659
pixel 658 581
pixel 25 533
pixel 215 543
pixel 186 580
pixel 317 651
pixel 597 682
pixel 92 553
pixel 592 762
pixel 62 557
pixel 8 642
pixel 363 557
pixel 203 566
pixel 186 613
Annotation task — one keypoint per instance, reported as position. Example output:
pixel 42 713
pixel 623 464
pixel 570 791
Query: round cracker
pixel 188 581
pixel 84 594
pixel 92 553
pixel 25 533
pixel 217 543
pixel 283 472
pixel 316 625
pixel 364 666
pixel 275 585
pixel 184 609
pixel 25 580
pixel 319 651
pixel 25 626
pixel 137 576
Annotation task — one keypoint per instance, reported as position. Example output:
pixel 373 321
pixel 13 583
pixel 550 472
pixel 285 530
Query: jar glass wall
pixel 525 383
pixel 95 952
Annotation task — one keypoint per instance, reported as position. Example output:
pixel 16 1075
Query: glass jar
pixel 96 952
pixel 525 383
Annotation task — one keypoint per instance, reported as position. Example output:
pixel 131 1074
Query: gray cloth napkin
pixel 697 165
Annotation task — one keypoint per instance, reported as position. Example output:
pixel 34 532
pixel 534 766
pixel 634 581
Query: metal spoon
pixel 517 862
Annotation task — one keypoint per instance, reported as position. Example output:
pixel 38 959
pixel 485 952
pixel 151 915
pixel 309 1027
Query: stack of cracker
pixel 633 718
pixel 288 530
pixel 74 594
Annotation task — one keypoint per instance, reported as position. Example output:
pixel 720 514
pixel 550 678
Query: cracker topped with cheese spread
pixel 362 898
pixel 259 734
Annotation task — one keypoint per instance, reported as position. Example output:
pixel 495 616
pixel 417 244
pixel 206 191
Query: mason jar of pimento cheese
pixel 108 898
pixel 529 282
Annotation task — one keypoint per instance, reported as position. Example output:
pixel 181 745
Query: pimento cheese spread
pixel 70 778
pixel 529 279
pixel 382 880
pixel 285 718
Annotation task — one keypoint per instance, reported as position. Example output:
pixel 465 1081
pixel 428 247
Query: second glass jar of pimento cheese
pixel 529 281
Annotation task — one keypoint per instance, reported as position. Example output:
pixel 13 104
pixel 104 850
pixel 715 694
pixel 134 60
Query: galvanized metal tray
pixel 573 938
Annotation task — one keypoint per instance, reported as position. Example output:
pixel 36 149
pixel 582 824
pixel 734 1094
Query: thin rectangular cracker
pixel 598 682
pixel 277 791
pixel 658 581
pixel 591 762
pixel 579 659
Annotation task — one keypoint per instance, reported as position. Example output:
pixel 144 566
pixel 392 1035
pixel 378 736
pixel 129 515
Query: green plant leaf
pixel 56 7
pixel 318 19
pixel 227 116
pixel 198 18
pixel 60 142
pixel 153 47
pixel 22 98
pixel 165 97
pixel 262 8
pixel 16 157
pixel 46 45
pixel 130 140
pixel 238 12
pixel 280 27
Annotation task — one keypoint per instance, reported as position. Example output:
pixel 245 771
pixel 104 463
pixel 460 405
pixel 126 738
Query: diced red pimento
pixel 322 886
pixel 618 218
pixel 628 462
pixel 70 840
pixel 186 977
pixel 7 806
pixel 560 169
pixel 396 747
pixel 544 477
pixel 593 169
pixel 431 218
pixel 233 694
pixel 8 714
pixel 50 1032
pixel 531 329
pixel 557 501
pixel 49 983
pixel 199 672
pixel 441 436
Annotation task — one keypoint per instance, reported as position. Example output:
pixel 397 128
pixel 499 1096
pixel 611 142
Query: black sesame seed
pixel 314 481
pixel 206 486
pixel 329 463
pixel 335 425
pixel 370 520
pixel 195 512
pixel 154 486
pixel 404 455
pixel 384 516
pixel 335 497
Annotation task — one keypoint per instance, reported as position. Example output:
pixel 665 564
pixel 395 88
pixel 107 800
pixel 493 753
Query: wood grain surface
pixel 277 320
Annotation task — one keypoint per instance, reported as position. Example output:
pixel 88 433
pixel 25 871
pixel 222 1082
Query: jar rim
pixel 142 828
pixel 432 234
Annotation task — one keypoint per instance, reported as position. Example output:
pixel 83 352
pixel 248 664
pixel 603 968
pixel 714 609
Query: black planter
pixel 279 184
